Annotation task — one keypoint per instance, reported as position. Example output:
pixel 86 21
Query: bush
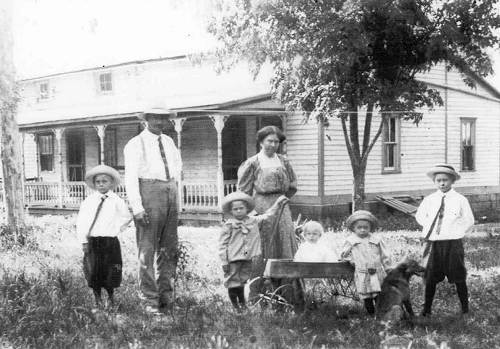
pixel 24 237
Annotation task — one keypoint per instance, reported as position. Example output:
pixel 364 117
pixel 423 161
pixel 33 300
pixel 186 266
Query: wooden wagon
pixel 330 280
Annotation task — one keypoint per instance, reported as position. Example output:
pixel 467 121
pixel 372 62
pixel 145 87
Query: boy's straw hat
pixel 443 168
pixel 102 169
pixel 237 196
pixel 362 215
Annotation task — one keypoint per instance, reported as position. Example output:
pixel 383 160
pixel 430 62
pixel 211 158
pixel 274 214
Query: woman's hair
pixel 270 130
pixel 312 225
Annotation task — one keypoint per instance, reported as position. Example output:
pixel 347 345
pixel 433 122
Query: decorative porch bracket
pixel 58 133
pixel 101 133
pixel 219 121
pixel 178 123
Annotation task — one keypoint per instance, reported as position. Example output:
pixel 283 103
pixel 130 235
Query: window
pixel 44 91
pixel 468 144
pixel 391 154
pixel 46 152
pixel 105 82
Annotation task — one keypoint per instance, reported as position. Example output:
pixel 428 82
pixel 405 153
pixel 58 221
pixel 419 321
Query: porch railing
pixel 195 196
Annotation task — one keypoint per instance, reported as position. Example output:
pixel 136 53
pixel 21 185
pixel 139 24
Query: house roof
pixel 179 85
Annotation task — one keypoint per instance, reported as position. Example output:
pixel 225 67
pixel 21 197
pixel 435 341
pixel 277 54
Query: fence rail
pixel 196 196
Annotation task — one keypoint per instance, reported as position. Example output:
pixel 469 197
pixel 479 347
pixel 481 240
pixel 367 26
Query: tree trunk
pixel 358 188
pixel 10 137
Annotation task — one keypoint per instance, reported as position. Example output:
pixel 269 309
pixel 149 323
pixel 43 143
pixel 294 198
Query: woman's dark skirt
pixel 446 259
pixel 102 264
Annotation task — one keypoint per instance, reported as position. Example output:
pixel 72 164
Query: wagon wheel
pixel 343 286
pixel 277 299
pixel 318 293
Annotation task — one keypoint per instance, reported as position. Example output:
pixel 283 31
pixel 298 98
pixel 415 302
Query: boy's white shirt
pixel 113 217
pixel 458 218
pixel 315 253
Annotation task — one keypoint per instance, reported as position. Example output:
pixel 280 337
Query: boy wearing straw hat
pixel 240 242
pixel 446 217
pixel 102 216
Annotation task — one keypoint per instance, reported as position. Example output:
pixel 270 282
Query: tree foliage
pixel 333 57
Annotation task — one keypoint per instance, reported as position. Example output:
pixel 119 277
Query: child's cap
pixel 312 225
pixel 443 168
pixel 362 215
pixel 237 196
pixel 102 169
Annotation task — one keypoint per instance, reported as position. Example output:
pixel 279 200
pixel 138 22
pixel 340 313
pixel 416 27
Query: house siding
pixel 423 145
pixel 302 151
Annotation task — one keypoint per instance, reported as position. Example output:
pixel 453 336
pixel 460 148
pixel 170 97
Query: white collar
pixel 150 135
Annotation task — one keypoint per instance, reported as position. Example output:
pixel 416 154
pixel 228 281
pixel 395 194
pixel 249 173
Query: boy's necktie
pixel 440 215
pixel 439 219
pixel 99 207
pixel 164 158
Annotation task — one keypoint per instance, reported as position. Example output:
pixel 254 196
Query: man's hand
pixel 225 269
pixel 85 248
pixel 142 218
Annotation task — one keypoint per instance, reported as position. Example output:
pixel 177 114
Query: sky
pixel 52 36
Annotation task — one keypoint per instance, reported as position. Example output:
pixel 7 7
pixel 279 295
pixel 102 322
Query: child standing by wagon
pixel 445 216
pixel 368 254
pixel 240 242
pixel 102 215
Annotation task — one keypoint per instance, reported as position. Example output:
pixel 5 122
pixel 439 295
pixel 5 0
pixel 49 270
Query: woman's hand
pixel 85 248
pixel 282 200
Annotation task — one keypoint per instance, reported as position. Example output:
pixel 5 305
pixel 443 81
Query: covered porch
pixel 212 143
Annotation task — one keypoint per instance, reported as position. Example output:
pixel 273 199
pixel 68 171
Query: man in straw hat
pixel 445 216
pixel 152 167
pixel 102 216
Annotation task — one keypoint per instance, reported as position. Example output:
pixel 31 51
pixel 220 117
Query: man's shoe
pixel 152 309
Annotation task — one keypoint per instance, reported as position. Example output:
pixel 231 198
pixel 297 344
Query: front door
pixel 234 147
pixel 75 146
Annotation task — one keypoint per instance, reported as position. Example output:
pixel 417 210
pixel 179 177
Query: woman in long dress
pixel 266 176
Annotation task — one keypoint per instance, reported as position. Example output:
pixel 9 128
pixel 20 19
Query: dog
pixel 395 291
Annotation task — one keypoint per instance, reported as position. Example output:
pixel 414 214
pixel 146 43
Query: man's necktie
pixel 164 158
pixel 99 207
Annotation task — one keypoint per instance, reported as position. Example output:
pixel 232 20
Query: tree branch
pixel 354 134
pixel 348 142
pixel 367 129
pixel 374 140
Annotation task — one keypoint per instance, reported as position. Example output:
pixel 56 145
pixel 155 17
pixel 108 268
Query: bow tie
pixel 239 226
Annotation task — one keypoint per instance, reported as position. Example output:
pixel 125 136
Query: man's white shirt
pixel 143 160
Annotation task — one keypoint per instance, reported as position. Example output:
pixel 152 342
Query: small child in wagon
pixel 313 249
pixel 102 216
pixel 240 242
pixel 368 254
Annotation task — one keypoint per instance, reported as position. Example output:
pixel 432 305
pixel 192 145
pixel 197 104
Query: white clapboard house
pixel 75 120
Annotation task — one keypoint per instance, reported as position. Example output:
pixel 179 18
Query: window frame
pixel 473 123
pixel 100 83
pixel 397 142
pixel 52 154
pixel 43 96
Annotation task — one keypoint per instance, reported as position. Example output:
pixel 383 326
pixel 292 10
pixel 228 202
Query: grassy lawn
pixel 45 303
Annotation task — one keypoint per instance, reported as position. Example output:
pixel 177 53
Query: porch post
pixel 283 118
pixel 58 132
pixel 101 133
pixel 218 121
pixel 178 123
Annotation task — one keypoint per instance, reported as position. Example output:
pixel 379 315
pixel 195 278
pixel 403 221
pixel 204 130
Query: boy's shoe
pixel 426 313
